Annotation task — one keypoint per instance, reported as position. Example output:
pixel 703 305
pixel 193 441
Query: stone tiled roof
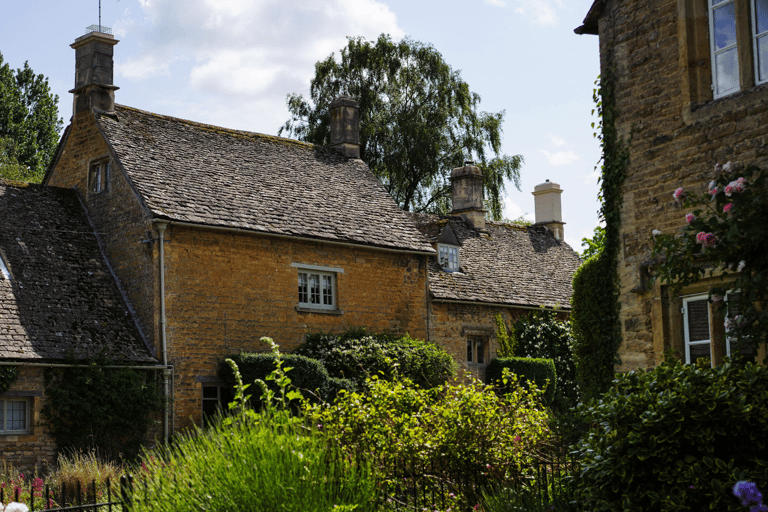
pixel 59 299
pixel 191 172
pixel 508 264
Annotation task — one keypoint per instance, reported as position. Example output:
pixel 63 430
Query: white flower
pixel 655 232
pixel 741 266
pixel 715 298
pixel 16 507
pixel 728 166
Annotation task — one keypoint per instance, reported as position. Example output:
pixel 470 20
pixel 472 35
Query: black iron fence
pixel 72 497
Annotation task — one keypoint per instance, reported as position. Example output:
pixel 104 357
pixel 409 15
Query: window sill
pixel 302 309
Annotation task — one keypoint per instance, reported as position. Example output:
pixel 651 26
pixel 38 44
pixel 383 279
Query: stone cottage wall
pixel 658 51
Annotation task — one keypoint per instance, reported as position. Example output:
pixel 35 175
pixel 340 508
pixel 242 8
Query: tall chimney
pixel 345 126
pixel 549 213
pixel 467 194
pixel 93 73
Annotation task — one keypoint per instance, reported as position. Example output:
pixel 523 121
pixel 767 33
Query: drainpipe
pixel 167 371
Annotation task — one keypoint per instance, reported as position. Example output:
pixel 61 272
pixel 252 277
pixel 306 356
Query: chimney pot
pixel 548 207
pixel 467 195
pixel 94 68
pixel 345 126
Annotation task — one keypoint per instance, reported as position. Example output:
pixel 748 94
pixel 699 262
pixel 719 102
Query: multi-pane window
pixel 697 329
pixel 98 177
pixel 317 289
pixel 725 57
pixel 214 402
pixel 760 39
pixel 476 349
pixel 14 415
pixel 449 257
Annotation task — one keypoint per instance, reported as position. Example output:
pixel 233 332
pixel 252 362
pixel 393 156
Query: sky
pixel 232 63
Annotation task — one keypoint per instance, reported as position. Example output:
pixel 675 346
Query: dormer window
pixel 448 256
pixel 98 177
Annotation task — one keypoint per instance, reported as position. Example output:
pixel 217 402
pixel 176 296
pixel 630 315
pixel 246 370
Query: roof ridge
pixel 221 129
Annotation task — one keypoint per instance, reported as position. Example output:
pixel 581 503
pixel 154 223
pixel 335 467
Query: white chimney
pixel 549 213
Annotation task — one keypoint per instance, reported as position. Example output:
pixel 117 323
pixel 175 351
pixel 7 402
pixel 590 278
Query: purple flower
pixel 748 493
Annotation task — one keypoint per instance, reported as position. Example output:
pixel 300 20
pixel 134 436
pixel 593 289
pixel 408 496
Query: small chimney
pixel 345 126
pixel 549 213
pixel 93 72
pixel 467 195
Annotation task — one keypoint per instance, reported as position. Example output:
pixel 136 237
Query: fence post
pixel 126 492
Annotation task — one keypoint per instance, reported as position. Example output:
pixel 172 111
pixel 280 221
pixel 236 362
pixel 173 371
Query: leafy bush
pixel 543 335
pixel 95 407
pixel 356 355
pixel 308 375
pixel 454 433
pixel 538 370
pixel 675 438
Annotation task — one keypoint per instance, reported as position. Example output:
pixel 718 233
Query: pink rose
pixel 700 236
pixel 709 240
pixel 690 218
pixel 727 208
pixel 678 194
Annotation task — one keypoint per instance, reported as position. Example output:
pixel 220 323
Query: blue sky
pixel 232 63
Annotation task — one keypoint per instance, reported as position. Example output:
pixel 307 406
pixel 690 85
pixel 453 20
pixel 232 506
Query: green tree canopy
pixel 418 120
pixel 29 123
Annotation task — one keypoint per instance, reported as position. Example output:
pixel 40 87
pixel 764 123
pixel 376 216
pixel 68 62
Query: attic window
pixel 98 177
pixel 448 256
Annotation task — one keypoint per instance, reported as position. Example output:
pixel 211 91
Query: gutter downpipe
pixel 166 371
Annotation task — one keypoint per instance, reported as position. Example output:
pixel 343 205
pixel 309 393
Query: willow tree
pixel 418 120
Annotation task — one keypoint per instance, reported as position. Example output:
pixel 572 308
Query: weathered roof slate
pixel 192 172
pixel 508 264
pixel 61 300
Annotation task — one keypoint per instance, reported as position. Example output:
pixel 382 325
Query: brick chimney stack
pixel 345 126
pixel 93 73
pixel 548 208
pixel 467 195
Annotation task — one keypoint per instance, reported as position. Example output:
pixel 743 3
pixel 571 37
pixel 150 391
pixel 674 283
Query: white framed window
pixel 760 39
pixel 14 415
pixel 723 48
pixel 98 177
pixel 317 286
pixel 448 256
pixel 477 349
pixel 696 324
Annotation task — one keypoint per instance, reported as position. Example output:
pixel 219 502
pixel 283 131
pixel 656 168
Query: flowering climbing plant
pixel 725 235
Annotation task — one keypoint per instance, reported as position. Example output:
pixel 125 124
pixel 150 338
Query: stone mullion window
pixel 724 47
pixel 476 349
pixel 760 39
pixel 14 416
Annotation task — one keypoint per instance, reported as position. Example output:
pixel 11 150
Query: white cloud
pixel 245 50
pixel 512 211
pixel 539 12
pixel 497 3
pixel 560 157
pixel 591 178
pixel 556 140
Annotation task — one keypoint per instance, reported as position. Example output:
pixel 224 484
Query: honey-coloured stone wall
pixel 657 52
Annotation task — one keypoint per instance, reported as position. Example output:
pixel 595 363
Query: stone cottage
pixel 691 82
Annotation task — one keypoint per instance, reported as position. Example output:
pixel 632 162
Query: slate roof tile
pixel 61 300
pixel 508 264
pixel 205 174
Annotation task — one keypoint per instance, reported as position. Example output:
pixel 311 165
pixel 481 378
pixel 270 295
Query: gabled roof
pixel 589 25
pixel 202 174
pixel 507 264
pixel 61 300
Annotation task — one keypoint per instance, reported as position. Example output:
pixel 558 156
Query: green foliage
pixel 734 213
pixel 543 335
pixel 29 124
pixel 8 375
pixel 357 355
pixel 540 371
pixel 453 432
pixel 308 375
pixel 256 461
pixel 418 120
pixel 94 407
pixel 507 339
pixel 675 438
pixel 595 310
pixel 593 246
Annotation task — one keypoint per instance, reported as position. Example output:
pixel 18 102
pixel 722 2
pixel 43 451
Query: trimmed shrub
pixel 543 335
pixel 677 437
pixel 538 370
pixel 356 355
pixel 308 375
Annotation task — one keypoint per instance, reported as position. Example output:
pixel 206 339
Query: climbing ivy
pixel 8 375
pixel 595 304
pixel 507 339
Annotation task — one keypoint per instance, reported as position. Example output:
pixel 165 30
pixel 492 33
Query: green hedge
pixel 538 370
pixel 357 355
pixel 306 374
pixel 677 437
